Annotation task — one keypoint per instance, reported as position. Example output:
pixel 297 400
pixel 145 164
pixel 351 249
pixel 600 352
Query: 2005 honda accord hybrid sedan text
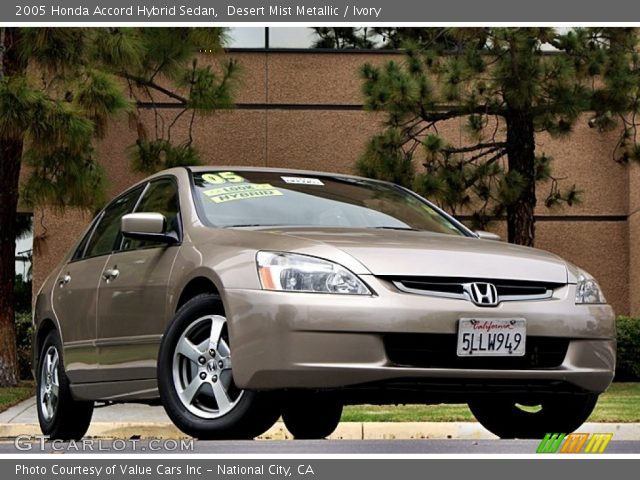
pixel 234 296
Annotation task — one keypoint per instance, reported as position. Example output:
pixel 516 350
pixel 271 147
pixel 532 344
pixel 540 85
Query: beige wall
pixel 311 122
pixel 634 240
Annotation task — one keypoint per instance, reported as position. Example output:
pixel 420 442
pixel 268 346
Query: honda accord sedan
pixel 235 296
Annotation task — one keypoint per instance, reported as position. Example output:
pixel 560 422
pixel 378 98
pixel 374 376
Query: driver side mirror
pixel 147 226
pixel 487 235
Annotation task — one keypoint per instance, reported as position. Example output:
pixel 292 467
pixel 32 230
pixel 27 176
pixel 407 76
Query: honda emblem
pixel 482 294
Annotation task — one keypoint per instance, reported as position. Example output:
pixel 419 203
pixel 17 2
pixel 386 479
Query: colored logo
pixel 574 443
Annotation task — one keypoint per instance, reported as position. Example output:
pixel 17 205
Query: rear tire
pixel 61 417
pixel 311 416
pixel 195 377
pixel 559 413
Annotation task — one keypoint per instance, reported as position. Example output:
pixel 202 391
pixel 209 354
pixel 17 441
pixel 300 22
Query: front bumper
pixel 286 340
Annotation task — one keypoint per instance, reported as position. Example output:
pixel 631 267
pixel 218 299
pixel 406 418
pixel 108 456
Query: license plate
pixel 483 337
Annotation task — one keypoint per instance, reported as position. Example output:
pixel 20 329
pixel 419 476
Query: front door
pixel 75 299
pixel 133 295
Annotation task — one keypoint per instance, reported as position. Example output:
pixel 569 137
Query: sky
pixel 21 246
pixel 279 37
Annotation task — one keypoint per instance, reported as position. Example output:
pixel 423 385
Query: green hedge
pixel 628 364
pixel 24 327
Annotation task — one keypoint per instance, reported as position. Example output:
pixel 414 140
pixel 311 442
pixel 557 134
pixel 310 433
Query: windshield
pixel 254 198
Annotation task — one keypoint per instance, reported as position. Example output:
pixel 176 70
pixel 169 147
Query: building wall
pixel 634 241
pixel 303 110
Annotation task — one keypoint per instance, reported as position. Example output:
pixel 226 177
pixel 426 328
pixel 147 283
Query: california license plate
pixel 485 337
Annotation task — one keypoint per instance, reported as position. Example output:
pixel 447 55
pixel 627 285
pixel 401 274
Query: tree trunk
pixel 10 153
pixel 10 157
pixel 521 153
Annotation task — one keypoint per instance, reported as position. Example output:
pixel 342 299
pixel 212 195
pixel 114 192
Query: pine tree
pixel 506 85
pixel 59 88
pixel 344 37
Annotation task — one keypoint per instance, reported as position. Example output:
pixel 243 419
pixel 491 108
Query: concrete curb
pixel 345 431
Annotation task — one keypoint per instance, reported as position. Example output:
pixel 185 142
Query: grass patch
pixel 407 413
pixel 621 403
pixel 10 396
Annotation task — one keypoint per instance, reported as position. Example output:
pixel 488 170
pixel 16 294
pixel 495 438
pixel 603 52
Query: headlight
pixel 300 273
pixel 587 290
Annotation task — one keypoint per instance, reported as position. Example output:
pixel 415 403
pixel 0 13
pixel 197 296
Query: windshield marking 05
pixel 222 177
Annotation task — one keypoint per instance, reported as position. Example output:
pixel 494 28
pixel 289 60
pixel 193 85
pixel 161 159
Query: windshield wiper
pixel 397 228
pixel 252 225
pixel 248 225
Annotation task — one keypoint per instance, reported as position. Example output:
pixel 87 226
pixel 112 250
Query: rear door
pixel 75 299
pixel 132 298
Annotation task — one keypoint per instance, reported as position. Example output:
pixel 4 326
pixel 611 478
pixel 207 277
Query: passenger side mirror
pixel 147 226
pixel 487 235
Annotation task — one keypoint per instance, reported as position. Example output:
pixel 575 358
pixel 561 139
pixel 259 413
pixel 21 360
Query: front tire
pixel 311 416
pixel 195 377
pixel 61 417
pixel 559 413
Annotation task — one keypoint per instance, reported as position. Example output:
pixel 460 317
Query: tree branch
pixel 151 84
pixel 484 154
pixel 437 116
pixel 478 146
pixel 474 178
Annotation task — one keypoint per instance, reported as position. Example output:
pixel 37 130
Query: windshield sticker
pixel 222 177
pixel 242 192
pixel 302 181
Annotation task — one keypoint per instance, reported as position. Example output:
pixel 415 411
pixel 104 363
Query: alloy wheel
pixel 202 375
pixel 49 383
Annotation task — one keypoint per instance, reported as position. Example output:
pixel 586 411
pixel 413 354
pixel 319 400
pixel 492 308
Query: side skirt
pixel 121 391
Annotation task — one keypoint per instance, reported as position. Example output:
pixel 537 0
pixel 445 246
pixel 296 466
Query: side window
pixel 160 197
pixel 79 253
pixel 107 231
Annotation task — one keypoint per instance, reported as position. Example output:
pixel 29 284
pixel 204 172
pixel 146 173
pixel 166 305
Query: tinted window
pixel 248 198
pixel 107 232
pixel 79 253
pixel 160 197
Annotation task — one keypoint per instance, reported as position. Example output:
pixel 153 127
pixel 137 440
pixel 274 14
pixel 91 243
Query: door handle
pixel 64 280
pixel 111 274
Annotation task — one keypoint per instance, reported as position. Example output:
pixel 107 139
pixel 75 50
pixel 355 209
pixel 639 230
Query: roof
pixel 237 168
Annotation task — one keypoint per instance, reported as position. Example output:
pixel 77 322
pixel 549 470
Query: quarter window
pixel 79 253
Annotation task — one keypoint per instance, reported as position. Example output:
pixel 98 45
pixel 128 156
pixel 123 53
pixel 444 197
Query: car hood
pixel 409 253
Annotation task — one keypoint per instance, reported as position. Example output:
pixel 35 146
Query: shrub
pixel 24 328
pixel 628 364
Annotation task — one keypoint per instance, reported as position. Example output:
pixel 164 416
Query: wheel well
pixel 46 326
pixel 195 287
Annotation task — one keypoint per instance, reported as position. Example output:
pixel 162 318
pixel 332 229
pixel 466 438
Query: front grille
pixel 455 287
pixel 435 350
